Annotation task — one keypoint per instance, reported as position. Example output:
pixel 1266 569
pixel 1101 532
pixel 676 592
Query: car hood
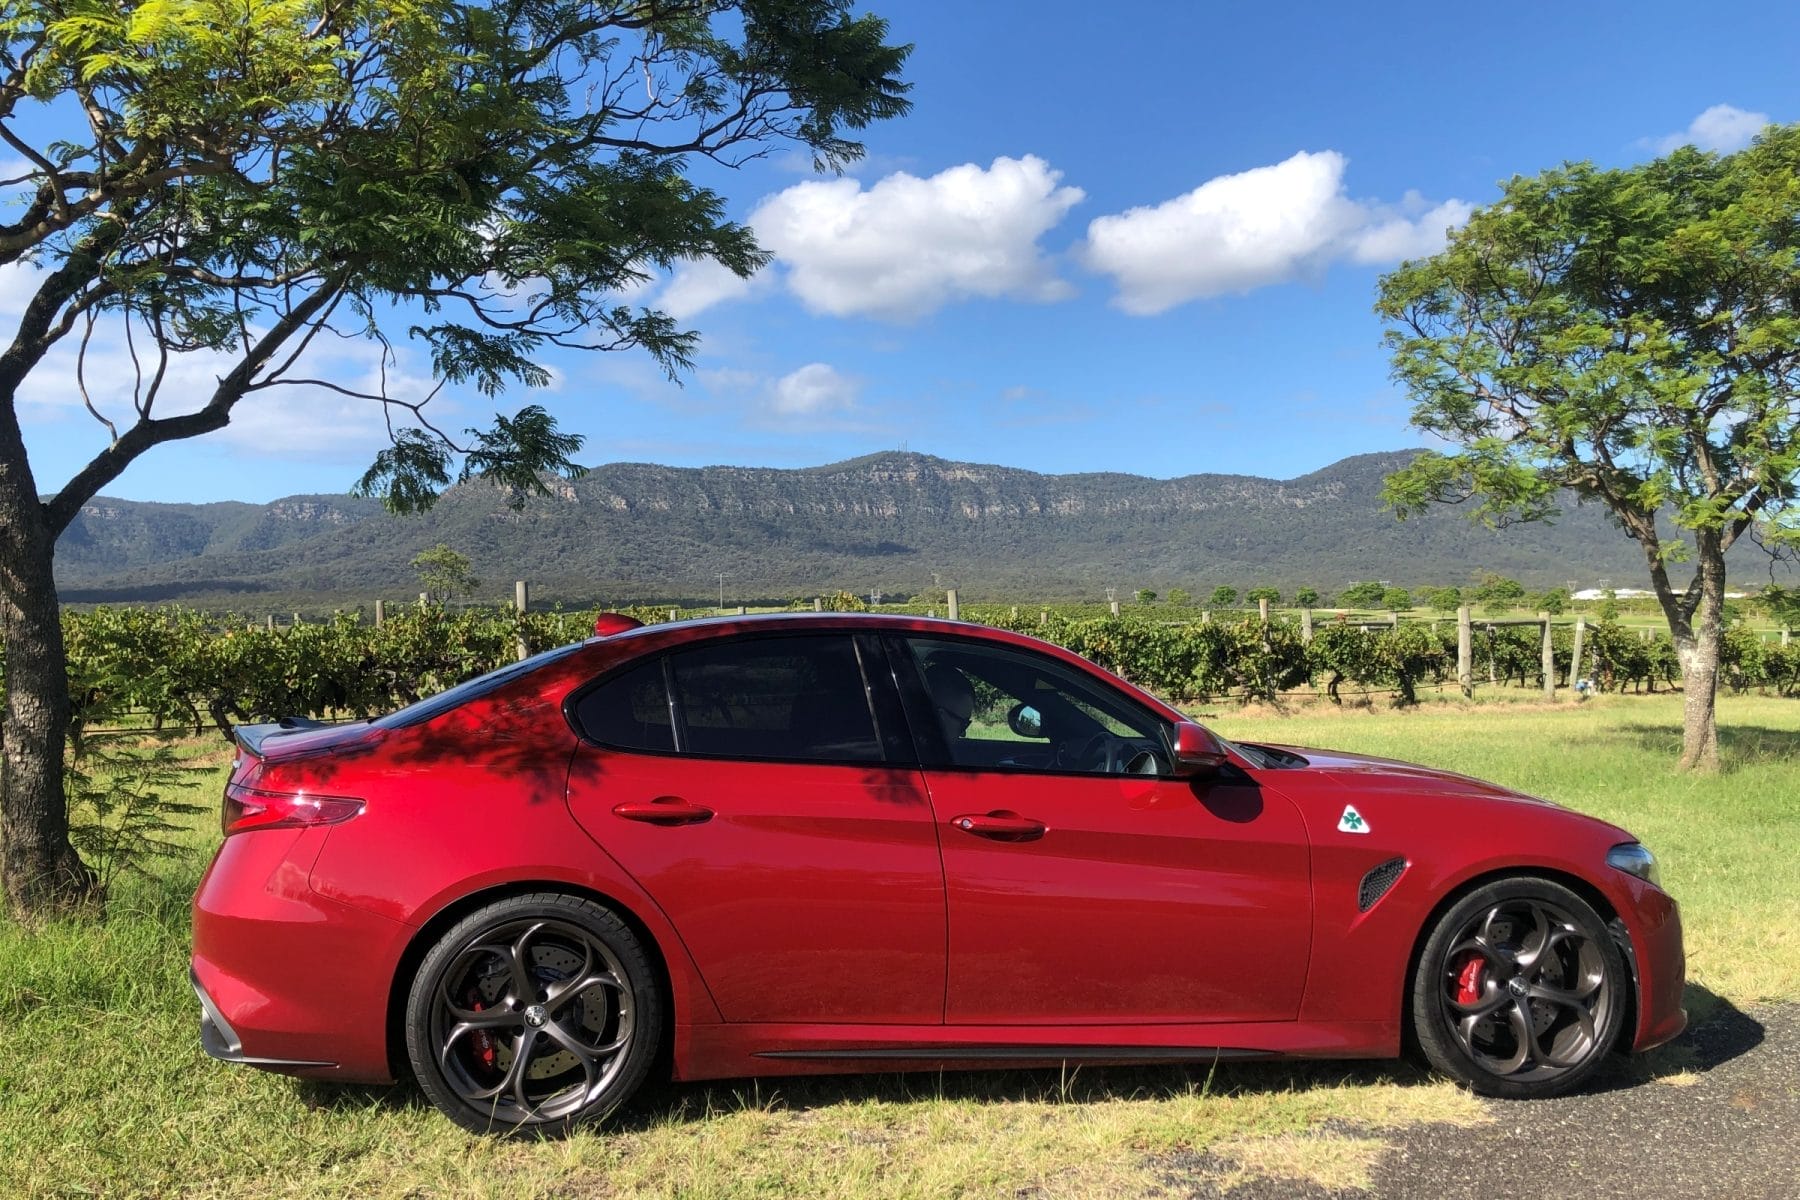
pixel 1366 773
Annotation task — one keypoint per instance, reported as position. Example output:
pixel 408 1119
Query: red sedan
pixel 843 843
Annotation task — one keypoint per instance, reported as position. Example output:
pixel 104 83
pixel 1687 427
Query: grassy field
pixel 104 1090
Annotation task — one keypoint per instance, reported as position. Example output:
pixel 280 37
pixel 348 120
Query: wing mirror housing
pixel 1197 751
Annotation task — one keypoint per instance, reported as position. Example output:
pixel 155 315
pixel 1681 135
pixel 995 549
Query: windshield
pixel 468 690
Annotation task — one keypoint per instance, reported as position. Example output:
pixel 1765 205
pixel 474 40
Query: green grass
pixel 104 1090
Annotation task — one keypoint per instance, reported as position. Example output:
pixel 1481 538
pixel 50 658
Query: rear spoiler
pixel 261 740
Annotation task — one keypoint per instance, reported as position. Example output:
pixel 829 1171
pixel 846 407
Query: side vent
pixel 1376 883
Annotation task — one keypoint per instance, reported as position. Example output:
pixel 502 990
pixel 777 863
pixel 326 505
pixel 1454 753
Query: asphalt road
pixel 1733 1132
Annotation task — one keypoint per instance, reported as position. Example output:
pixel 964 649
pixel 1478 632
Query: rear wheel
pixel 534 1013
pixel 1520 990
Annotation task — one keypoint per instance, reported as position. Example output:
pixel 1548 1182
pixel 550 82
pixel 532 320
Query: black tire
pixel 1520 990
pixel 534 1014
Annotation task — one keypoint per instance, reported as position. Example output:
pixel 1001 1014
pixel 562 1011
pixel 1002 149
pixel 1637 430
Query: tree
pixel 247 181
pixel 1554 601
pixel 1179 597
pixel 1224 597
pixel 1444 599
pixel 1257 594
pixel 1396 598
pixel 1146 596
pixel 1497 594
pixel 1306 597
pixel 1363 595
pixel 444 573
pixel 1629 336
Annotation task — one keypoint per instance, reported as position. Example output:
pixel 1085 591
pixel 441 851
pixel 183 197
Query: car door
pixel 1080 889
pixel 757 788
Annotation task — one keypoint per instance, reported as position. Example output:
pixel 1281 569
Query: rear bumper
pixel 289 980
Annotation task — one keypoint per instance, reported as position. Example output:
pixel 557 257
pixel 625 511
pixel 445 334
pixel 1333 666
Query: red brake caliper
pixel 484 1041
pixel 1469 980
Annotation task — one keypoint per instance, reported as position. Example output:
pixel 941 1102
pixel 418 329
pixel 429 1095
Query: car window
pixel 629 711
pixel 999 707
pixel 790 698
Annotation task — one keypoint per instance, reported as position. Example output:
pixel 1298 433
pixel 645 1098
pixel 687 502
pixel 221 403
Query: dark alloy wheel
pixel 1520 990
pixel 535 1013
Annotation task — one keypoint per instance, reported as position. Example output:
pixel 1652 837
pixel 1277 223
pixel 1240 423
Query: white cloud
pixel 1236 233
pixel 906 246
pixel 698 285
pixel 1722 128
pixel 813 390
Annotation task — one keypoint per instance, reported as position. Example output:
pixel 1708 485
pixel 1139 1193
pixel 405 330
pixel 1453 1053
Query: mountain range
pixel 902 523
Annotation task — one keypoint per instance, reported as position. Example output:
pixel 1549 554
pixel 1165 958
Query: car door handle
pixel 1002 826
pixel 664 810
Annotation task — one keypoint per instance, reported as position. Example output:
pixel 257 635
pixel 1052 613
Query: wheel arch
pixel 427 935
pixel 1583 888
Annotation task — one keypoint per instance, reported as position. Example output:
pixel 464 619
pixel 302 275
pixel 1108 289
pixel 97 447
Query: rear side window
pixel 629 711
pixel 791 698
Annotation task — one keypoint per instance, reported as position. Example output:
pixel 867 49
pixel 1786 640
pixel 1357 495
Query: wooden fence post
pixel 1548 660
pixel 1576 651
pixel 271 623
pixel 818 604
pixel 1205 617
pixel 521 602
pixel 1262 608
pixel 380 611
pixel 952 606
pixel 743 609
pixel 1043 616
pixel 1784 637
pixel 671 614
pixel 1306 626
pixel 424 599
pixel 1465 653
pixel 1114 605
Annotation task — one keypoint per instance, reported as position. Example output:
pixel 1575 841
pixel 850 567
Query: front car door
pixel 1085 884
pixel 760 789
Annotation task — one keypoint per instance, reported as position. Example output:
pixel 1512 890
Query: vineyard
pixel 170 669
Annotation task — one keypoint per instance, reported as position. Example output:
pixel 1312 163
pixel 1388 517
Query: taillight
pixel 248 808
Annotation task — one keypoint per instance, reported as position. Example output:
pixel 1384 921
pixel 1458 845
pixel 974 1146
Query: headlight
pixel 1634 859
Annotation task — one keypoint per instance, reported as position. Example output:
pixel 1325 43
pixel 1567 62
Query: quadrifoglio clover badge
pixel 1352 821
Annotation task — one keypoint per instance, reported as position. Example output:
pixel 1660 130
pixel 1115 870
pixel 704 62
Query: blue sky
pixel 1150 246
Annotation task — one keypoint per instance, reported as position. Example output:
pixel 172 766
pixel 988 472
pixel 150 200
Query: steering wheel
pixel 1102 753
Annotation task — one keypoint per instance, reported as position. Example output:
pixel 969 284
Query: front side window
pixel 997 707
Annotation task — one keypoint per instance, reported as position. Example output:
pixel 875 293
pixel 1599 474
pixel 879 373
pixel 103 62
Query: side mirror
pixel 1025 721
pixel 1197 751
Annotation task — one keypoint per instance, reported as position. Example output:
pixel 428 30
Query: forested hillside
pixel 888 521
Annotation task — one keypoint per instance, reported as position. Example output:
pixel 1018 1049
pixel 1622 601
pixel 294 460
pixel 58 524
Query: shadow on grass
pixel 1718 1033
pixel 1739 745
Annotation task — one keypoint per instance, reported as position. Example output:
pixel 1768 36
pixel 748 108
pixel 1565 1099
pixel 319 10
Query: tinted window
pixel 997 707
pixel 629 711
pixel 796 698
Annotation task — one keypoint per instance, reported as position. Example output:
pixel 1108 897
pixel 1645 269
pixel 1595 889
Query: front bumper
pixel 1659 961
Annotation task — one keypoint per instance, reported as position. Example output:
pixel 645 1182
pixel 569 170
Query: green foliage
pixel 845 602
pixel 1554 601
pixel 1444 599
pixel 1179 598
pixel 1306 597
pixel 1367 595
pixel 1395 599
pixel 444 573
pixel 1497 594
pixel 1146 596
pixel 128 808
pixel 1224 597
pixel 1629 336
pixel 1257 594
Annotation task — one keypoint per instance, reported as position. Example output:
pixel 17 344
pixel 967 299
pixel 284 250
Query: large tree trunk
pixel 39 869
pixel 1699 657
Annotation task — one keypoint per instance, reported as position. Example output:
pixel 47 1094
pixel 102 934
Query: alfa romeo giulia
pixel 815 843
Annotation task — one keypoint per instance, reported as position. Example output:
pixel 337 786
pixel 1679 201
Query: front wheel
pixel 1520 990
pixel 533 1014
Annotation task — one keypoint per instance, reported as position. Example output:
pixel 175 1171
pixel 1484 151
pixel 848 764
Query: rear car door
pixel 761 789
pixel 1085 884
